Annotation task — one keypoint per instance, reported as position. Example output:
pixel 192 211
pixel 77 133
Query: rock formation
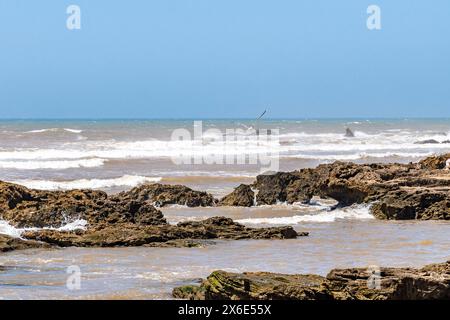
pixel 429 282
pixel 126 219
pixel 8 243
pixel 242 196
pixel 161 195
pixel 398 191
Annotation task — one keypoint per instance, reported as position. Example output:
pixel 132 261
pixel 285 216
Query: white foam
pixel 79 224
pixel 8 229
pixel 358 212
pixel 360 155
pixel 53 164
pixel 300 144
pixel 55 130
pixel 124 181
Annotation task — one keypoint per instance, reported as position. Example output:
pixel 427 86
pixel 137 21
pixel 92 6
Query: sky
pixel 224 59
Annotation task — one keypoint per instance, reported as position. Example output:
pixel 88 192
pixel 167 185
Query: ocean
pixel 116 155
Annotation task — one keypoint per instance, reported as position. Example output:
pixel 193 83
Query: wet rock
pixel 125 219
pixel 34 208
pixel 226 228
pixel 11 195
pixel 242 196
pixel 8 243
pixel 429 141
pixel 349 133
pixel 392 187
pixel 429 282
pixel 413 203
pixel 272 187
pixel 190 292
pixel 162 195
pixel 436 162
pixel 129 234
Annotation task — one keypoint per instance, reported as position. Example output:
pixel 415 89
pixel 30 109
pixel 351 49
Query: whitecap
pixel 357 212
pixel 7 229
pixel 54 130
pixel 124 181
pixel 53 164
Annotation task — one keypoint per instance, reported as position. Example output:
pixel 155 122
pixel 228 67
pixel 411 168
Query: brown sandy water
pixel 151 273
pixel 118 155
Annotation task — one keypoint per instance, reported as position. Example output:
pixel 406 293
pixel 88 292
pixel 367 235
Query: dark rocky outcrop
pixel 413 203
pixel 242 196
pixel 8 243
pixel 161 195
pixel 428 141
pixel 399 191
pixel 436 162
pixel 34 208
pixel 429 282
pixel 129 234
pixel 126 219
pixel 349 133
pixel 272 188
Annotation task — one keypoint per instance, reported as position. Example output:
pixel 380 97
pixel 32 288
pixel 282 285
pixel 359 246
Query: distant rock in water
pixel 429 141
pixel 446 141
pixel 349 133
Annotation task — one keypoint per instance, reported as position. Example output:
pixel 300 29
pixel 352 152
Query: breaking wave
pixel 53 164
pixel 124 181
pixel 353 212
pixel 296 145
pixel 55 130
pixel 6 228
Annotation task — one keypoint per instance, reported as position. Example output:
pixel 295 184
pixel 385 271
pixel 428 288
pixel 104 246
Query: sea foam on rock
pixel 398 191
pixel 125 219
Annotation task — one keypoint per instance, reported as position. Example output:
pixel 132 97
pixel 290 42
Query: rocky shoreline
pixel 395 191
pixel 429 282
pixel 132 218
pixel 126 219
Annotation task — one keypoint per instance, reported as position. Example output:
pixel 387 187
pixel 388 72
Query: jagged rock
pixel 8 243
pixel 162 195
pixel 189 293
pixel 242 196
pixel 34 208
pixel 429 282
pixel 226 228
pixel 126 219
pixel 436 162
pixel 129 234
pixel 272 188
pixel 391 186
pixel 413 203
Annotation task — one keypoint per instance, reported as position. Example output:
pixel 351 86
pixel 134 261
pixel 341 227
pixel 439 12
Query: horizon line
pixel 218 118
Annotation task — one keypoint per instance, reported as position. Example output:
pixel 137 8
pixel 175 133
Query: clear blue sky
pixel 224 58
